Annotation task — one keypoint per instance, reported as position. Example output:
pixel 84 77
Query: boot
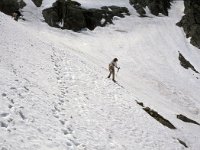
pixel 114 80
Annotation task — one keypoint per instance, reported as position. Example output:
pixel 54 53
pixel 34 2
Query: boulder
pixel 9 6
pixel 51 17
pixel 140 10
pixel 74 19
pixel 155 6
pixel 94 18
pixel 70 15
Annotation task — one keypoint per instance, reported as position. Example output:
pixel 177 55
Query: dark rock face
pixel 159 118
pixel 155 6
pixel 9 6
pixel 186 119
pixel 191 21
pixel 185 63
pixel 183 143
pixel 140 103
pixel 74 17
pixel 38 3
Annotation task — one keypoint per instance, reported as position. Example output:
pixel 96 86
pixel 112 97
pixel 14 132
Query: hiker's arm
pixel 117 67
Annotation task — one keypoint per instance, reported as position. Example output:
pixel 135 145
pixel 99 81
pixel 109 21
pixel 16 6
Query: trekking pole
pixel 117 71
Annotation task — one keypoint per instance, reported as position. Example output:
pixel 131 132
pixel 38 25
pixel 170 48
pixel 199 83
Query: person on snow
pixel 112 67
pixel 16 15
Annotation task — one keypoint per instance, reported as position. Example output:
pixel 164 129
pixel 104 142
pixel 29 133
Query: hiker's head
pixel 115 59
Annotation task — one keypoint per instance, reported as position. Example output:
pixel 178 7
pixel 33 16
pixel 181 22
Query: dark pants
pixel 112 72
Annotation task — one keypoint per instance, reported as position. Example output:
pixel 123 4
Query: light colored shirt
pixel 113 63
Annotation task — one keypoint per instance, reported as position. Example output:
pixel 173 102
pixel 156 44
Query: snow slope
pixel 55 95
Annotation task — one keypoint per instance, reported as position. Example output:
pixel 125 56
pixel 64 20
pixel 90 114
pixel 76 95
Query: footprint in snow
pixel 22 115
pixel 3 124
pixel 4 94
pixel 4 115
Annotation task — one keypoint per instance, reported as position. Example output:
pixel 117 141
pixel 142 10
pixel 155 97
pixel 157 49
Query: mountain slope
pixel 55 94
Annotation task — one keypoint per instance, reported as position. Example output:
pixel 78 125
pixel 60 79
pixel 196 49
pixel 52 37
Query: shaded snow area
pixel 54 94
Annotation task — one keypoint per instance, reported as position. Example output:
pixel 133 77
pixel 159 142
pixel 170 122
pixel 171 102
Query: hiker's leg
pixel 110 70
pixel 113 74
pixel 109 75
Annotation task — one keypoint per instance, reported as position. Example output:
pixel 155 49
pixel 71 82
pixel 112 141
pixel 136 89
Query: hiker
pixel 16 15
pixel 112 67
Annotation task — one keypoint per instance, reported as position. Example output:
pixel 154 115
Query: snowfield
pixel 54 94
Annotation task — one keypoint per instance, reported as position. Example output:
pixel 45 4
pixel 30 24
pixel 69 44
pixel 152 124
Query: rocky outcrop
pixel 183 143
pixel 140 103
pixel 191 21
pixel 186 119
pixel 9 6
pixel 38 3
pixel 70 15
pixel 157 116
pixel 185 63
pixel 155 6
